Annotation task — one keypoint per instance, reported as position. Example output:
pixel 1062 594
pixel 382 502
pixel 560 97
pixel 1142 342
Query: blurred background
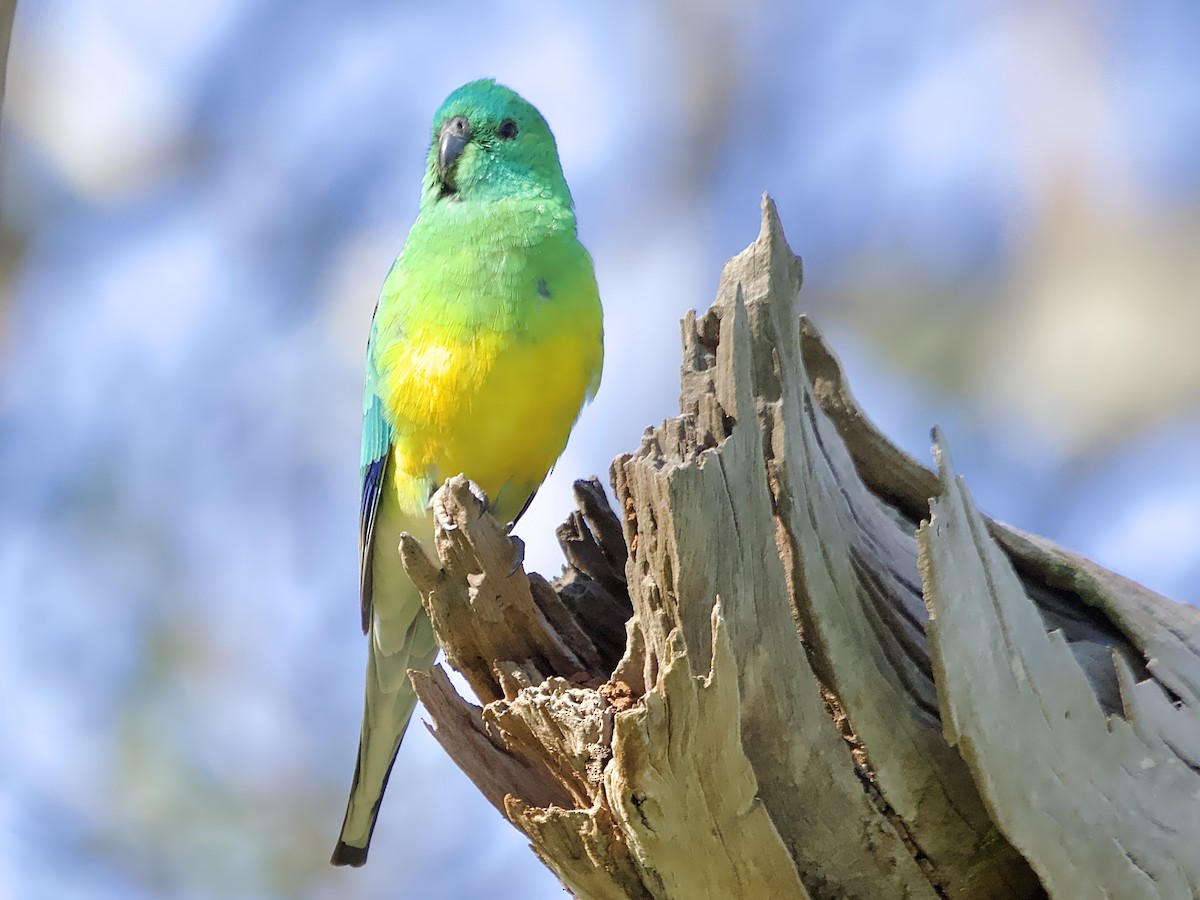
pixel 998 205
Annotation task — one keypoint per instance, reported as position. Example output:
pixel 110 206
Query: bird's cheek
pixel 471 165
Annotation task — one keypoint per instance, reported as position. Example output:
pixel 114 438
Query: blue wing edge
pixel 376 444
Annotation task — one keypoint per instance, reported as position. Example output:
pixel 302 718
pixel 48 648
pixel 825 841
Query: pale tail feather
pixel 390 700
pixel 400 638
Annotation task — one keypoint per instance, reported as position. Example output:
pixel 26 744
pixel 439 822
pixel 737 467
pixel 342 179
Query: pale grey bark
pixel 767 678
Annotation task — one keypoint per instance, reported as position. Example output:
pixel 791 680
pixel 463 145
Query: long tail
pixel 389 705
pixel 400 639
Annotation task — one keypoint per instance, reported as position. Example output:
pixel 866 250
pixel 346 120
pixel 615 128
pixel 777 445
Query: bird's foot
pixel 443 519
pixel 518 555
pixel 478 493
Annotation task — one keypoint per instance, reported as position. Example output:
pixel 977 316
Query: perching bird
pixel 487 341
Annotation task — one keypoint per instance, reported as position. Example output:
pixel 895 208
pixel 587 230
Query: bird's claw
pixel 478 494
pixel 440 516
pixel 518 555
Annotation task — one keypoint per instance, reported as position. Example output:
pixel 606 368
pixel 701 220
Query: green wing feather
pixel 376 447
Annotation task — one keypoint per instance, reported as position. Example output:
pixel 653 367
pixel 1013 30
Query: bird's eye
pixel 507 130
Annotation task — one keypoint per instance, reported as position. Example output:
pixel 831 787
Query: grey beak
pixel 454 137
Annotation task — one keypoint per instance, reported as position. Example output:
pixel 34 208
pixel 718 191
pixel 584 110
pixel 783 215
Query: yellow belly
pixel 498 409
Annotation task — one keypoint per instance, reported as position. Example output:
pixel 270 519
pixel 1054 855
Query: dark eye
pixel 507 130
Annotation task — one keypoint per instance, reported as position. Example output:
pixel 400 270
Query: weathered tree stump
pixel 800 664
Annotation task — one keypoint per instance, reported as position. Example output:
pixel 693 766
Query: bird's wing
pixel 376 447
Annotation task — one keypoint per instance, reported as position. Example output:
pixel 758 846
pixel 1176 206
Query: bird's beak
pixel 454 137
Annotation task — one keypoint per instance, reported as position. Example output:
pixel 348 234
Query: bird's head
pixel 491 144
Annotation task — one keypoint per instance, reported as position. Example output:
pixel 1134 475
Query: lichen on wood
pixel 767 678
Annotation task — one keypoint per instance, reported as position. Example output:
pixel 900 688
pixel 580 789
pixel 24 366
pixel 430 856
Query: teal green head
pixel 488 144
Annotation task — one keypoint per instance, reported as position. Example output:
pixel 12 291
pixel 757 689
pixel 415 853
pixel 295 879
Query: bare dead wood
pixel 1100 806
pixel 736 689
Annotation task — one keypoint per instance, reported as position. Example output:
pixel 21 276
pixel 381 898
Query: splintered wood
pixel 767 678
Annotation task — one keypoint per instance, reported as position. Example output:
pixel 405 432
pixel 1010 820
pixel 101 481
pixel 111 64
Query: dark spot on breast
pixel 543 288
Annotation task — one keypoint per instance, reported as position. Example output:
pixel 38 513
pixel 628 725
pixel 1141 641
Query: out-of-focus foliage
pixel 999 206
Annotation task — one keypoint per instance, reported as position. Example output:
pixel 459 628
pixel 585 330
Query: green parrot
pixel 486 342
